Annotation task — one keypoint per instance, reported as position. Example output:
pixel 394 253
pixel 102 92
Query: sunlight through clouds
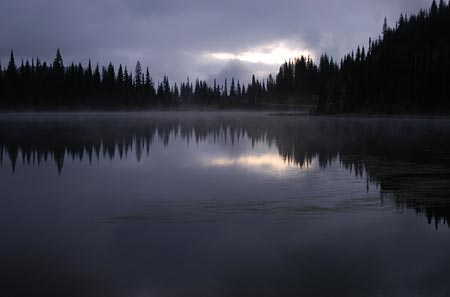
pixel 272 54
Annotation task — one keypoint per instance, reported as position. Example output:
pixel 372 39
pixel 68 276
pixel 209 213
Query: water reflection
pixel 223 204
pixel 260 163
pixel 408 159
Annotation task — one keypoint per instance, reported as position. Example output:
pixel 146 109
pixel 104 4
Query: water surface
pixel 223 204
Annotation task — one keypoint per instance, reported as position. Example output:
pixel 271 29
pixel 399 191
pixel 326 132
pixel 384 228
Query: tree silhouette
pixel 405 69
pixel 58 65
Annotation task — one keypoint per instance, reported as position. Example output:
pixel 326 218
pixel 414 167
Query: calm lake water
pixel 223 204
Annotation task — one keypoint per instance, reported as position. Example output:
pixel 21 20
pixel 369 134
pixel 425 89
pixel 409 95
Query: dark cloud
pixel 172 36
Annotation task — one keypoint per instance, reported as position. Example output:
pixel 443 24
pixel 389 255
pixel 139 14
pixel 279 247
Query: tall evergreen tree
pixel 120 77
pixel 138 75
pixel 58 65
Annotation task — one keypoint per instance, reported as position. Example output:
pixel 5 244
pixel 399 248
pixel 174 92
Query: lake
pixel 223 204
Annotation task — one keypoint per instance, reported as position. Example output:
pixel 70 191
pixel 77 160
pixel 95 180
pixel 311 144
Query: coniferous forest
pixel 406 69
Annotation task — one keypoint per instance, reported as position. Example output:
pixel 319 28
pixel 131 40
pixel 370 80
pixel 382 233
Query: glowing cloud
pixel 275 53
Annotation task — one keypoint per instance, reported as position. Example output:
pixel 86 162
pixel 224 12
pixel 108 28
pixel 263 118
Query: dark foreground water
pixel 223 204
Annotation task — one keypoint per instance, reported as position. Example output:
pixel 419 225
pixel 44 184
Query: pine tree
pixel 176 93
pixel 1 91
pixel 434 9
pixel 58 65
pixel 238 89
pixel 149 86
pixel 97 78
pixel 120 77
pixel 138 75
pixel 126 78
pixel 225 89
pixel 232 89
pixel 11 81
pixel 385 27
pixel 11 71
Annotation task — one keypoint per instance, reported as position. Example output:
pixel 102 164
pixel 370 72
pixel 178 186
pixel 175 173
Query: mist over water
pixel 223 204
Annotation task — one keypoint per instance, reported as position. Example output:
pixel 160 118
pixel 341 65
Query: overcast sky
pixel 199 38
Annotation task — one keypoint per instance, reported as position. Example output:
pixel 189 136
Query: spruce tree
pixel 11 70
pixel 120 77
pixel 58 65
pixel 138 75
pixel 11 81
pixel 1 89
pixel 232 89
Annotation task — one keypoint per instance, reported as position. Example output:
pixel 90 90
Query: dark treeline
pixel 416 176
pixel 41 85
pixel 407 69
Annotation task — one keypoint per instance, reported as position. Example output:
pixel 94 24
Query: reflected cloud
pixel 378 150
pixel 268 163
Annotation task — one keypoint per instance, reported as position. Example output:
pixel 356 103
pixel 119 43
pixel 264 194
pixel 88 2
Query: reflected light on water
pixel 269 163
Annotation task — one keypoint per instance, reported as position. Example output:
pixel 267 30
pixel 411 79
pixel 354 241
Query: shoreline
pixel 268 112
